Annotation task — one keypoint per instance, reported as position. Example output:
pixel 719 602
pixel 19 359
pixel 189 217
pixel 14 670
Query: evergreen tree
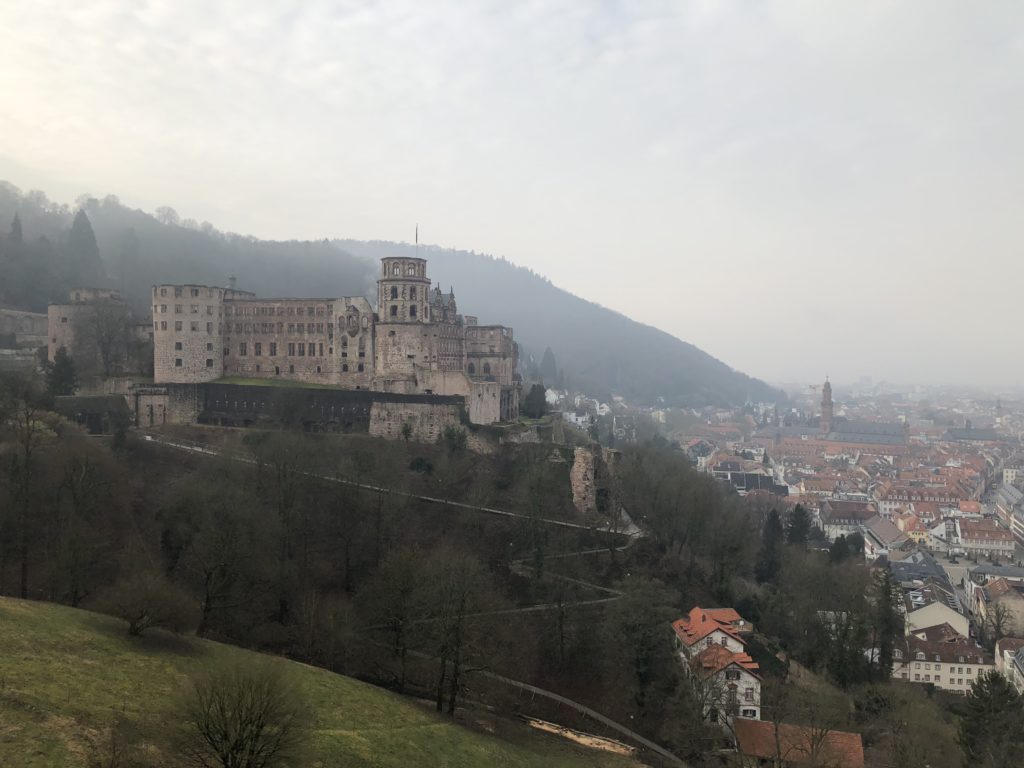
pixel 535 404
pixel 992 728
pixel 798 526
pixel 83 250
pixel 769 562
pixel 887 618
pixel 840 550
pixel 549 368
pixel 61 378
pixel 15 236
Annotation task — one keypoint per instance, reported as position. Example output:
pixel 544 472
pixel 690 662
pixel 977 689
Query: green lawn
pixel 273 382
pixel 67 675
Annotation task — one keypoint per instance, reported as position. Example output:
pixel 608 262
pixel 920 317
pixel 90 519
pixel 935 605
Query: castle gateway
pixel 415 342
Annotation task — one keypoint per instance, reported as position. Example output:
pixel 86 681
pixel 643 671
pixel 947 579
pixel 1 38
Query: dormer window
pixel 920 656
pixel 897 654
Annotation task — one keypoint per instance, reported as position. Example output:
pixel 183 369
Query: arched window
pixel 394 291
pixel 411 271
pixel 366 322
pixel 412 292
pixel 487 369
pixel 394 311
pixel 397 270
pixel 412 311
pixel 472 369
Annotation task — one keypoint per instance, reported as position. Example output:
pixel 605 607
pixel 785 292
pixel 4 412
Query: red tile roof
pixel 701 622
pixel 799 745
pixel 715 658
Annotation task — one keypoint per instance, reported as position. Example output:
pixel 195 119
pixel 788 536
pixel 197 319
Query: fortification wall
pixel 28 328
pixel 428 420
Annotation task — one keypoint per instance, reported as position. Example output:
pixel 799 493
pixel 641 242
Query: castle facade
pixel 415 342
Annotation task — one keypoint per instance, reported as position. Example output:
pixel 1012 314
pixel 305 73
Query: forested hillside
pixel 598 350
pixel 139 249
pixel 101 242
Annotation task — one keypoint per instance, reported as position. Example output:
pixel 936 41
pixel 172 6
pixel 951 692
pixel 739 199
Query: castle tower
pixel 403 291
pixel 826 407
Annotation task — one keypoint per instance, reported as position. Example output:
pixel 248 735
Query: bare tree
pixel 147 600
pixel 105 336
pixel 999 622
pixel 244 717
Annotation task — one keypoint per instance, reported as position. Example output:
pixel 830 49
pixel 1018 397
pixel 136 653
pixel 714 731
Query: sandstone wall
pixel 188 333
pixel 428 421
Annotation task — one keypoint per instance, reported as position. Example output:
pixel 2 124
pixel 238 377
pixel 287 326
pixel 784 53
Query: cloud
pixel 718 169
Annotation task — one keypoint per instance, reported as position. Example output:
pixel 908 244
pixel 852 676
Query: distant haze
pixel 799 188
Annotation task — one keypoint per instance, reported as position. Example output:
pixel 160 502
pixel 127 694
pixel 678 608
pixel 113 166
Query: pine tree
pixel 83 250
pixel 549 368
pixel 61 378
pixel 769 562
pixel 798 526
pixel 888 623
pixel 15 236
pixel 535 404
pixel 992 728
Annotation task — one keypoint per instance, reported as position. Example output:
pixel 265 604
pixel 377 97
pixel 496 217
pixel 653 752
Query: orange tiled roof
pixel 715 658
pixel 799 745
pixel 701 622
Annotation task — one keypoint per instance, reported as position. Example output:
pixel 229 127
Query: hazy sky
pixel 796 187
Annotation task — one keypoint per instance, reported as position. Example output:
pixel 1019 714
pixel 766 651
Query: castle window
pixel 310 311
pixel 291 369
pixel 178 309
pixel 195 309
pixel 242 349
pixel 302 349
pixel 177 292
pixel 291 348
pixel 397 270
pixel 257 349
pixel 411 271
pixel 360 368
pixel 273 349
pixel 394 291
pixel 209 362
pixel 366 322
pixel 344 367
pixel 163 309
pixel 177 325
pixel 177 362
pixel 163 291
pixel 412 311
pixel 163 325
pixel 394 311
pixel 177 346
pixel 472 369
pixel 321 349
pixel 487 372
pixel 195 291
pixel 209 327
pixel 412 292
pixel 209 346
pixel 318 369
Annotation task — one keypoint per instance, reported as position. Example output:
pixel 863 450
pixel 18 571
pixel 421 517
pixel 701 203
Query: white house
pixel 949 666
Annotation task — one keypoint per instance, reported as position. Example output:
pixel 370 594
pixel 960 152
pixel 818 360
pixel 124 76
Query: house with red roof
pixel 764 743
pixel 712 647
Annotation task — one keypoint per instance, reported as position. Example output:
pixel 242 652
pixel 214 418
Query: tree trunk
pixel 440 686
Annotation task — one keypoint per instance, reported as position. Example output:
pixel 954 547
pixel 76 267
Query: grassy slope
pixel 66 675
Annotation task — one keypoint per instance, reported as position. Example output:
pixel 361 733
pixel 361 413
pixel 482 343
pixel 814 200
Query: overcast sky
pixel 799 188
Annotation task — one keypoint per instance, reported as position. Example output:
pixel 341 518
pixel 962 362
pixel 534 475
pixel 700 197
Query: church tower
pixel 826 408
